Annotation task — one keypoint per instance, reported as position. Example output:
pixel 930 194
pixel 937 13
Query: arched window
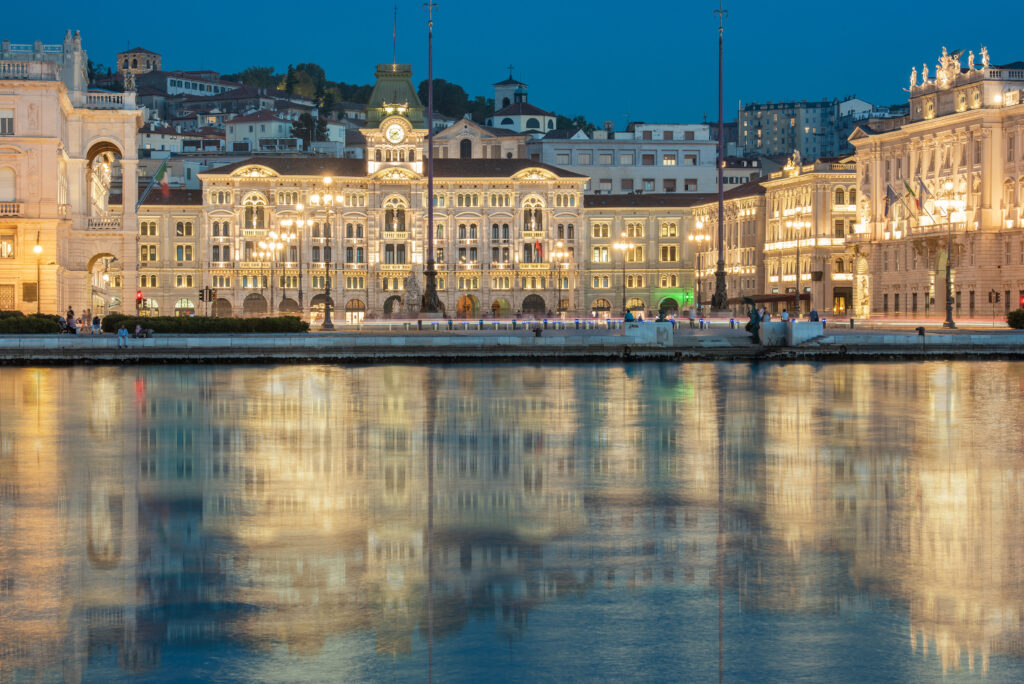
pixel 853 195
pixel 377 154
pixel 533 123
pixel 255 212
pixel 840 196
pixel 551 124
pixel 135 63
pixel 838 268
pixel 465 149
pixel 394 215
pixel 507 121
pixel 7 189
pixel 533 217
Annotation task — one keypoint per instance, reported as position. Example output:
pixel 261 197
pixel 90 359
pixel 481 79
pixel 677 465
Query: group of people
pixel 86 324
pixel 762 315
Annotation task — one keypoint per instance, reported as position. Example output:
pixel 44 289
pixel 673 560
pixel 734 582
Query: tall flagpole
pixel 430 304
pixel 720 300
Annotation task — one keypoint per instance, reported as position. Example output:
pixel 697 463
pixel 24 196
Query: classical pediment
pixel 255 171
pixel 10 151
pixel 396 173
pixel 534 173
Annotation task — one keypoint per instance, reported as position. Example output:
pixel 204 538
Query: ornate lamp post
pixel 330 203
pixel 949 204
pixel 269 249
pixel 798 226
pixel 624 248
pixel 559 257
pixel 298 224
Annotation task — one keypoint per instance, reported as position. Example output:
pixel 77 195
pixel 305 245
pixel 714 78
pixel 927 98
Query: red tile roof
pixel 521 109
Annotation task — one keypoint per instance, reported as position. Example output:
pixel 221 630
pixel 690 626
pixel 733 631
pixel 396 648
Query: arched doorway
pixel 104 294
pixel 355 311
pixel 534 304
pixel 635 304
pixel 563 305
pixel 316 307
pixel 669 305
pixel 288 306
pixel 392 305
pixel 601 307
pixel 465 149
pixel 468 306
pixel 222 308
pixel 254 305
pixel 500 307
pixel 184 307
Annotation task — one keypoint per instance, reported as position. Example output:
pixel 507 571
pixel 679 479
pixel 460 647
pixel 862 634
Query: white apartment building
pixel 662 158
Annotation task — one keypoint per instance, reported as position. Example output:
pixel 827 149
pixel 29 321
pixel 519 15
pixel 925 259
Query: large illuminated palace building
pixel 268 232
pixel 959 157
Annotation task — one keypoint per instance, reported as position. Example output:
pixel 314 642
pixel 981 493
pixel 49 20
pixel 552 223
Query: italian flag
pixel 910 191
pixel 161 177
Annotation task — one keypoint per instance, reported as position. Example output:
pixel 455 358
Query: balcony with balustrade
pixel 11 209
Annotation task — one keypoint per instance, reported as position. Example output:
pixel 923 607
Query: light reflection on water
pixel 859 522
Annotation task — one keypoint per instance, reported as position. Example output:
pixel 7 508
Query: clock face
pixel 394 133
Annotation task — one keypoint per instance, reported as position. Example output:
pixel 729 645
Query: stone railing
pixel 10 208
pixel 395 235
pixel 535 267
pixel 394 267
pixel 95 100
pixel 103 223
pixel 29 70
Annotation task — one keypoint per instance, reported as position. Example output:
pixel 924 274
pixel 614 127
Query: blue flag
pixel 891 198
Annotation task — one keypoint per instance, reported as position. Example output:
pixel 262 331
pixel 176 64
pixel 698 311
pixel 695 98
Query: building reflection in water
pixel 281 507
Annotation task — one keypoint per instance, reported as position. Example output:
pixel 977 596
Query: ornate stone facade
pixel 811 208
pixel 62 149
pixel 960 158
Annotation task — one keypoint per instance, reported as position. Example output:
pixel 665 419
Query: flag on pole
pixel 539 256
pixel 910 191
pixel 891 198
pixel 161 178
pixel 923 192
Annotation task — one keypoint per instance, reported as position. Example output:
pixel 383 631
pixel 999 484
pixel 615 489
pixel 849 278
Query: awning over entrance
pixel 762 298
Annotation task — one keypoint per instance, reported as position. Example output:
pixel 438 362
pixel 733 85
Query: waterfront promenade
pixel 646 341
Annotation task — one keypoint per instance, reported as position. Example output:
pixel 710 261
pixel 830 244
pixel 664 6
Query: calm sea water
pixel 854 523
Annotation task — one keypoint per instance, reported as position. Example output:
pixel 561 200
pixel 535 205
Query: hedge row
pixel 1015 319
pixel 17 323
pixel 199 325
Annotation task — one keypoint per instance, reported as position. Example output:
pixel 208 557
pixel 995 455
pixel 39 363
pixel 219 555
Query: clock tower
pixel 395 130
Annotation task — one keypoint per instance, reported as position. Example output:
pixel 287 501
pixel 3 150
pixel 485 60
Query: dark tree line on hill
pixel 310 80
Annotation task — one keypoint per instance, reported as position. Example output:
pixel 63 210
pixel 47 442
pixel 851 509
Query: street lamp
pixel 38 250
pixel 298 224
pixel 270 249
pixel 559 257
pixel 625 248
pixel 950 205
pixel 329 202
pixel 798 226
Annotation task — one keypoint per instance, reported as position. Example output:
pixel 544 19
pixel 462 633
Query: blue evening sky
pixel 651 60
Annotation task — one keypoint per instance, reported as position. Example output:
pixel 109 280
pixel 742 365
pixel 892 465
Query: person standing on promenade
pixel 96 325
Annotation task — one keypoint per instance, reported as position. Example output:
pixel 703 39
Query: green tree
pixel 308 131
pixel 256 76
pixel 449 98
pixel 290 80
